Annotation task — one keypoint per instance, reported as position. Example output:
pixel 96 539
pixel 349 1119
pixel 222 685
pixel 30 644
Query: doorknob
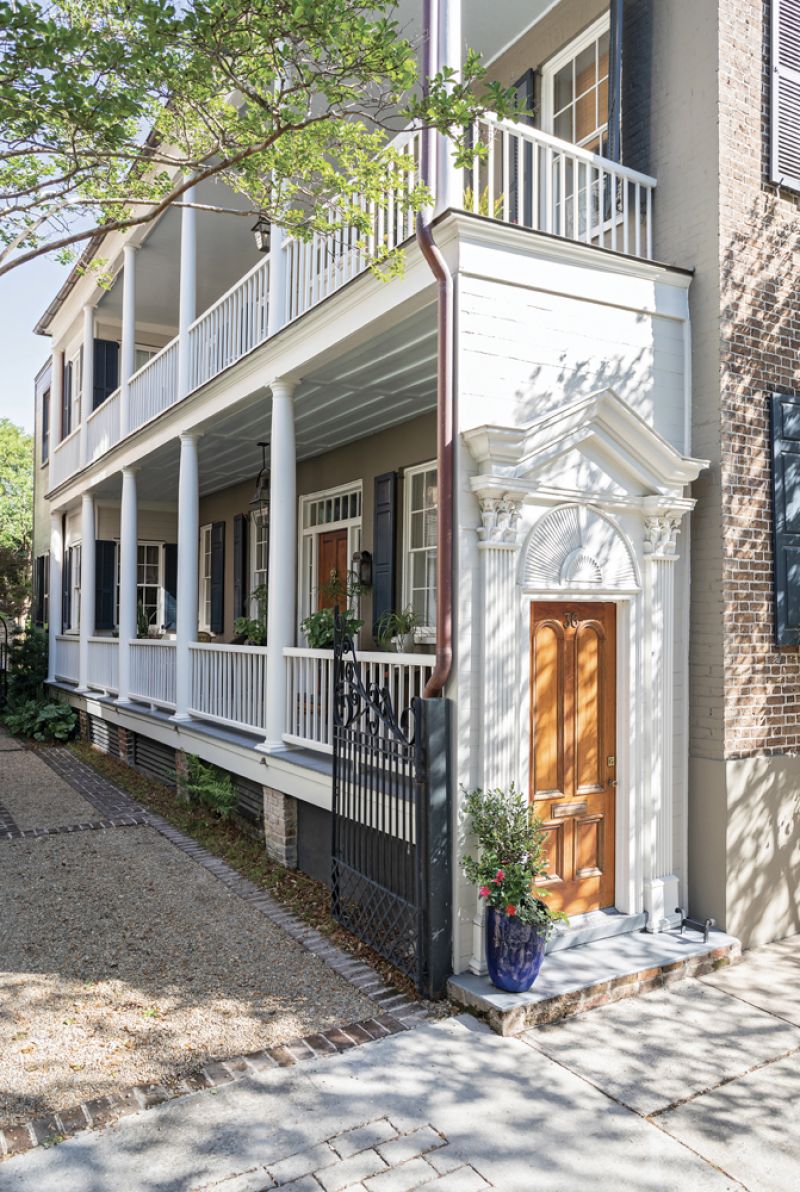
pixel 613 782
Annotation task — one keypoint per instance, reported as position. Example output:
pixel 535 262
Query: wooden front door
pixel 332 558
pixel 573 749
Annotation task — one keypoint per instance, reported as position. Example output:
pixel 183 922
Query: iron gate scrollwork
pixel 390 822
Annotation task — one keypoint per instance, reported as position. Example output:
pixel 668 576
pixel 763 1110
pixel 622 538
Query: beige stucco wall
pixel 403 446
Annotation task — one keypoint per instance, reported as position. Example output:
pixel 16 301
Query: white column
pixel 128 558
pixel 87 387
pixel 128 353
pixel 282 557
pixel 87 589
pixel 449 180
pixel 661 893
pixel 54 626
pixel 188 291
pixel 56 397
pixel 498 553
pixel 188 571
pixel 276 301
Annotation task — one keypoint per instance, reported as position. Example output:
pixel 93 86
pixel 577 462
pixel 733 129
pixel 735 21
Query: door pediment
pixel 597 448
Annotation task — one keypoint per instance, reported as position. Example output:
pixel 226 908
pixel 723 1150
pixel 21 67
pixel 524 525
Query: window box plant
pixel 511 861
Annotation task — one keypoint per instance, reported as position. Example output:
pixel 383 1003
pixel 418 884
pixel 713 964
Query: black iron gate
pixel 391 833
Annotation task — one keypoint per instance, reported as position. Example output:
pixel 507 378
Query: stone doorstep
pixel 104 1111
pixel 577 979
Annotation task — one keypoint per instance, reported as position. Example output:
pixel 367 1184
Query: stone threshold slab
pixel 576 979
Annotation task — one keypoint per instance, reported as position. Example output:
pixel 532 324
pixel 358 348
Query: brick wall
pixel 759 352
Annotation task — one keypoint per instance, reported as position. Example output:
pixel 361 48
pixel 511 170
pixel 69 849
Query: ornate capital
pixel 499 517
pixel 661 535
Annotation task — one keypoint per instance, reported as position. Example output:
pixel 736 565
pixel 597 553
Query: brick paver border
pixel 397 1012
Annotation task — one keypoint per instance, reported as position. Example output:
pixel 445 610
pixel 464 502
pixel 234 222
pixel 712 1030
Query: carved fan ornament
pixel 577 547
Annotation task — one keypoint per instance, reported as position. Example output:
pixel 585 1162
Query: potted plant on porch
pixel 511 861
pixel 339 591
pixel 395 630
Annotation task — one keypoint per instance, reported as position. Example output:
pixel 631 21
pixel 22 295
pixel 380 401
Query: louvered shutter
pixel 786 516
pixel 615 81
pixel 38 584
pixel 170 584
pixel 384 536
pixel 217 577
pixel 523 101
pixel 104 584
pixel 66 401
pixel 785 98
pixel 105 377
pixel 66 592
pixel 240 565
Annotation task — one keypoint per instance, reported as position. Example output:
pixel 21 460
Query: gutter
pixel 444 394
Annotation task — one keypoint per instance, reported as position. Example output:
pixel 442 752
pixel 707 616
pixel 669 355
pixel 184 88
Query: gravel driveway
pixel 123 962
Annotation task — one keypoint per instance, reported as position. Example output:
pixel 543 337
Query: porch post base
pixel 270 747
pixel 180 717
pixel 477 962
pixel 661 896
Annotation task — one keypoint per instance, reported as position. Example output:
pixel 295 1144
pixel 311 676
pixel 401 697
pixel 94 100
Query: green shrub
pixel 27 666
pixel 42 721
pixel 211 786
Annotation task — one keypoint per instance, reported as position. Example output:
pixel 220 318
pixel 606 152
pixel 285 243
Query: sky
pixel 25 294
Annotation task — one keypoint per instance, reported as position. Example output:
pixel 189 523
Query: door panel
pixel 573 748
pixel 332 558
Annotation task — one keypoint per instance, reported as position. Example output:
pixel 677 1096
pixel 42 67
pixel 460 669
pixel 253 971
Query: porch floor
pixel 576 979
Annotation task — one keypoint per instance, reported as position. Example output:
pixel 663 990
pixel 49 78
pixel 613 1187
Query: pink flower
pixel 511 909
pixel 484 892
pixel 498 877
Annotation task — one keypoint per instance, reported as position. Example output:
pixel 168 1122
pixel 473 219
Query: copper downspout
pixel 444 397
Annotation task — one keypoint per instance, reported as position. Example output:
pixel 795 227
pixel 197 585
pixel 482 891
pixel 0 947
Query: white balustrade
pixel 232 327
pixel 103 663
pixel 66 665
pixel 229 684
pixel 153 672
pixel 154 388
pixel 102 427
pixel 309 689
pixel 535 180
pixel 65 459
pixel 320 266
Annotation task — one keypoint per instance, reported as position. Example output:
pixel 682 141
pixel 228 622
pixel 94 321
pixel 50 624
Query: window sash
pixel 420 485
pixel 204 611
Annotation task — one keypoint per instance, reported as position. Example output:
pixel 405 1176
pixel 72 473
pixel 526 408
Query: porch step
pixel 574 979
pixel 594 925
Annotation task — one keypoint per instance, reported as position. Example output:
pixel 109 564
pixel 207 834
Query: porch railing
pixel 65 459
pixel 154 388
pixel 535 180
pixel 102 427
pixel 229 685
pixel 153 672
pixel 232 327
pixel 309 689
pixel 67 658
pixel 103 663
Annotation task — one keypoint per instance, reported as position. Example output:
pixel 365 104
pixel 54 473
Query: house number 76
pixel 570 620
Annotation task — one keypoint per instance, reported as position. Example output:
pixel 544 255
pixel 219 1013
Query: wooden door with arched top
pixel 573 748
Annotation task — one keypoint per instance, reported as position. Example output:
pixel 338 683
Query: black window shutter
pixel 217 577
pixel 523 101
pixel 240 565
pixel 38 617
pixel 105 377
pixel 66 591
pixel 66 401
pixel 384 537
pixel 105 582
pixel 786 516
pixel 785 94
pixel 615 81
pixel 170 584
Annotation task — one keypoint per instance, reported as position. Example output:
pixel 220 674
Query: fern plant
pixel 211 786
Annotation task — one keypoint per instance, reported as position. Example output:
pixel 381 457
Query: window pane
pixel 562 93
pixel 585 72
pixel 417 490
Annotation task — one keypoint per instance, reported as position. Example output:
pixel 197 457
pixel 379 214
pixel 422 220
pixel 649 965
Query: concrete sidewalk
pixel 694 1087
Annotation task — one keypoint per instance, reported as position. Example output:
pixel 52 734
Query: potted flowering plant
pixel 511 861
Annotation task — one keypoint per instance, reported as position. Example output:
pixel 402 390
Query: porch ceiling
pixel 381 383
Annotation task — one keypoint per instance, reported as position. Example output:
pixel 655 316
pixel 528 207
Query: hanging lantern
pixel 259 503
pixel 262 230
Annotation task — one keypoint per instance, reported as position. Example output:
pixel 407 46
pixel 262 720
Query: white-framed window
pixel 141 357
pixel 321 513
pixel 76 373
pixel 149 582
pixel 75 589
pixel 421 500
pixel 258 555
pixel 204 611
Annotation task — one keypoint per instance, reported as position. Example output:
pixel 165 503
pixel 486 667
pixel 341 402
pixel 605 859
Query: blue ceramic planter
pixel 514 951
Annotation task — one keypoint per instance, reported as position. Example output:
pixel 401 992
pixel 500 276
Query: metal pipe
pixel 444 395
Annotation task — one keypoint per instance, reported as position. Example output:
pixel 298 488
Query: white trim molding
pixel 586 503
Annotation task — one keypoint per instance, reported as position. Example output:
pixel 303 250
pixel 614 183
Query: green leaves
pixel 107 105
